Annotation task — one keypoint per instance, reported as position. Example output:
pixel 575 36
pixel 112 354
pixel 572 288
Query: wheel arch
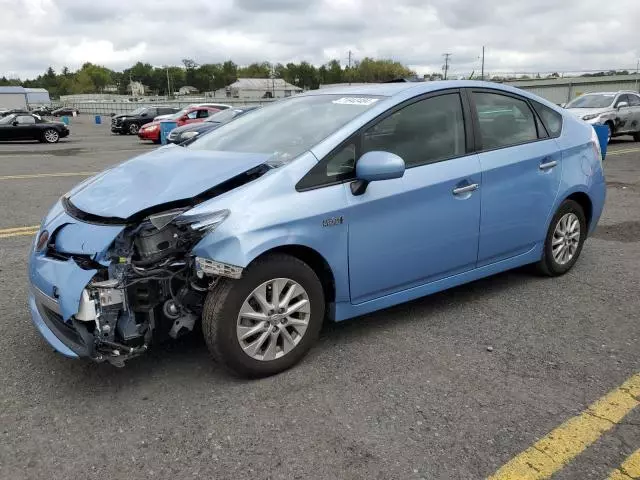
pixel 582 199
pixel 315 260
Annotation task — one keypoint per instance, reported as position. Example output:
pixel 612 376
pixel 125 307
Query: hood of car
pixel 582 112
pixel 164 176
pixel 150 124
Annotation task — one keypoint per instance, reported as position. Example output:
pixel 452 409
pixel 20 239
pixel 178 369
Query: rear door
pixel 634 105
pixel 521 170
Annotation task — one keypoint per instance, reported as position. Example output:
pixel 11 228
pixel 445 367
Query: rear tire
pixel 564 241
pixel 50 136
pixel 223 325
pixel 636 137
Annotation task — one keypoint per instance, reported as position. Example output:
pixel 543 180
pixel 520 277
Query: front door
pixel 24 128
pixel 424 226
pixel 521 170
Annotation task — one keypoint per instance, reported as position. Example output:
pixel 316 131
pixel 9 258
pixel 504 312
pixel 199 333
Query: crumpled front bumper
pixel 56 282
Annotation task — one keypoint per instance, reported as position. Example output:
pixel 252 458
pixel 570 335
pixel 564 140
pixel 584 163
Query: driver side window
pixel 622 98
pixel 25 119
pixel 192 115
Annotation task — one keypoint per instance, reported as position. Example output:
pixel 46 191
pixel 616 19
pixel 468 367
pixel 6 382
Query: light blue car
pixel 326 205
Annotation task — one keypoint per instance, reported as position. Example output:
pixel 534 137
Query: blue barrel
pixel 165 127
pixel 65 120
pixel 98 119
pixel 603 137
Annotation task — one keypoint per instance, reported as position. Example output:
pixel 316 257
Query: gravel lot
pixel 407 393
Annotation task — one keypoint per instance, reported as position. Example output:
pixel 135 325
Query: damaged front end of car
pixel 145 287
pixel 107 287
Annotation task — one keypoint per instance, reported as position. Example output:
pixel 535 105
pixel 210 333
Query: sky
pixel 519 35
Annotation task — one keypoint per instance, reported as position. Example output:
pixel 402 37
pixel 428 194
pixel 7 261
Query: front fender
pixel 242 249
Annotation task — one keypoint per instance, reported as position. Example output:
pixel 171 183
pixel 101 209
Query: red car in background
pixel 151 131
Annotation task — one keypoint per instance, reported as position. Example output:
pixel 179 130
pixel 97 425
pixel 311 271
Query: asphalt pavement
pixel 452 386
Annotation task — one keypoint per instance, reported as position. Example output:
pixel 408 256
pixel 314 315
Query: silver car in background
pixel 620 111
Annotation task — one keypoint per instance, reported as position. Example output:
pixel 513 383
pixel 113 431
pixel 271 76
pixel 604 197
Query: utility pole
pixel 168 85
pixel 446 64
pixel 349 67
pixel 482 74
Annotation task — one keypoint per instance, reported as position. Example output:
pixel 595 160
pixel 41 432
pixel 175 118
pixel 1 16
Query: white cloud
pixel 523 35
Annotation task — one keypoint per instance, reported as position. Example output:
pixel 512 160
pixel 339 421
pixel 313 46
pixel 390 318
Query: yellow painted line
pixel 629 470
pixel 18 231
pixel 620 152
pixel 563 444
pixel 45 175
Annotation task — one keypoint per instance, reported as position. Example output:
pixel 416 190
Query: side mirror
pixel 375 166
pixel 143 114
pixel 622 105
pixel 184 118
pixel 14 123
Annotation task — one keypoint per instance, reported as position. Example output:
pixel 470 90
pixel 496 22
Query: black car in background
pixel 42 111
pixel 130 123
pixel 64 112
pixel 25 126
pixel 193 130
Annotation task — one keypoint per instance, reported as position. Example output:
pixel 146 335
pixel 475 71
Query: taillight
pixel 43 240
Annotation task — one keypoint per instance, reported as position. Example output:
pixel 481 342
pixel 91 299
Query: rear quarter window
pixel 551 119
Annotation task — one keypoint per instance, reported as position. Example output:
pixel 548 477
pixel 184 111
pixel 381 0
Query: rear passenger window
pixel 424 132
pixel 504 120
pixel 551 119
pixel 634 100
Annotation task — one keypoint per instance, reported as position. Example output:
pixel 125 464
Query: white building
pixel 136 89
pixel 20 97
pixel 257 88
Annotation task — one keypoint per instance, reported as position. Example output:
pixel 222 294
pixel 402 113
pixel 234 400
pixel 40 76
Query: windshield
pixel 179 114
pixel 224 116
pixel 7 119
pixel 286 128
pixel 138 111
pixel 592 101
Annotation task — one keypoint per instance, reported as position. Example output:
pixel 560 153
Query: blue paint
pixel 165 128
pixel 98 120
pixel 375 166
pixel 408 235
pixel 65 120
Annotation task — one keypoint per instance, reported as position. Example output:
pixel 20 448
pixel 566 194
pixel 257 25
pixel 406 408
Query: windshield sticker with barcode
pixel 364 101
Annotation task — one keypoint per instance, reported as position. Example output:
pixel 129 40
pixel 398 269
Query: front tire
pixel 636 137
pixel 565 239
pixel 50 136
pixel 133 128
pixel 610 132
pixel 265 322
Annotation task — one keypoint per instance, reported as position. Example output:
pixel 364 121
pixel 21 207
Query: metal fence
pixel 109 107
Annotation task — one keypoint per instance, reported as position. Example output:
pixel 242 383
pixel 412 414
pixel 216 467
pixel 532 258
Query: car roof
pixel 412 88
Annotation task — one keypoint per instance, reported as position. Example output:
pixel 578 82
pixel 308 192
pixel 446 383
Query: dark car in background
pixel 42 110
pixel 65 111
pixel 25 126
pixel 130 123
pixel 188 132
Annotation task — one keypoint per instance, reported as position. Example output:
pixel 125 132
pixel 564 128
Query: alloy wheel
pixel 566 239
pixel 133 129
pixel 273 319
pixel 51 136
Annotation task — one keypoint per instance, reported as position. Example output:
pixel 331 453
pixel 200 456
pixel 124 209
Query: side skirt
pixel 346 310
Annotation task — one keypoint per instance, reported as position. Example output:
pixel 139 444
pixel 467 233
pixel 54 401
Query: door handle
pixel 466 189
pixel 547 165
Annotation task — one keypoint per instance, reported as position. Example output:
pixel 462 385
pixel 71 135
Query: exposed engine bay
pixel 152 290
